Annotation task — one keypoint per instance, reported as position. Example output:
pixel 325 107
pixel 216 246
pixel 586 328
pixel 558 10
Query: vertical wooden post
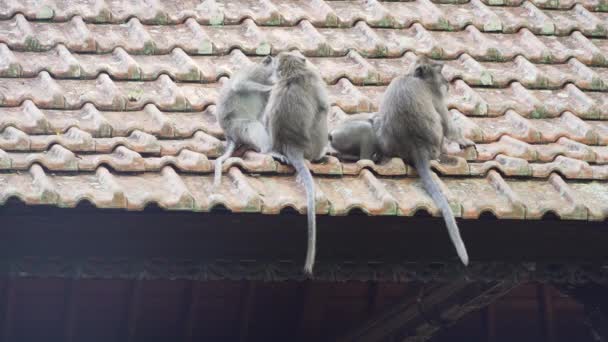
pixel 9 310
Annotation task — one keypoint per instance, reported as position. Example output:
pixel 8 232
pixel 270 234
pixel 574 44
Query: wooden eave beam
pixel 439 308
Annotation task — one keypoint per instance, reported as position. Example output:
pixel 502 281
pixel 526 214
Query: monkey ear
pixel 302 59
pixel 267 60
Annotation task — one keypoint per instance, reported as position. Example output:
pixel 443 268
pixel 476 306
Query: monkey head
pixel 341 138
pixel 430 71
pixel 264 73
pixel 289 63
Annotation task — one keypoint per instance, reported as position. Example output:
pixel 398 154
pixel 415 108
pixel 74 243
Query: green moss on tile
pixel 492 26
pixel 481 109
pixel 598 60
pixel 592 114
pixel 436 53
pixel 371 79
pixel 160 19
pixel 539 113
pixel 380 51
pixel 496 2
pixel 14 70
pixel 275 19
pixel 217 19
pixel 74 71
pixel 134 73
pixel 486 78
pixel 541 82
pixel 325 50
pixel 32 44
pixel 135 94
pixel 149 48
pixel 494 55
pixel 548 28
pixel 602 6
pixel 48 196
pixel 597 84
pixel 331 20
pixel 599 31
pixel 192 75
pixel 552 4
pixel 181 104
pixel 444 25
pixel 45 12
pixel 263 49
pixel 547 59
pixel 386 22
pixel 104 16
pixel 205 48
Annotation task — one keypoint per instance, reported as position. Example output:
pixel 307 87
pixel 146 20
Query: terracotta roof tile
pixel 113 102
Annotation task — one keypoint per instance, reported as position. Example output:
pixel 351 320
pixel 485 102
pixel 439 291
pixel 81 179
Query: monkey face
pixel 267 70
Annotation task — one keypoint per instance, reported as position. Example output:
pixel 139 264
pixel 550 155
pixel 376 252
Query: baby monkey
pixel 240 108
pixel 296 117
pixel 356 139
pixel 413 123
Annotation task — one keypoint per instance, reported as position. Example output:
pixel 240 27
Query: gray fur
pixel 296 117
pixel 412 124
pixel 356 139
pixel 240 108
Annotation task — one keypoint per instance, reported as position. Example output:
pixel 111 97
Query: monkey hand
pixel 464 143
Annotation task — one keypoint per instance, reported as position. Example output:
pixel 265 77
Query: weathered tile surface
pixel 113 102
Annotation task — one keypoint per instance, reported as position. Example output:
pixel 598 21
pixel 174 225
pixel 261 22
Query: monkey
pixel 296 119
pixel 240 109
pixel 356 139
pixel 412 123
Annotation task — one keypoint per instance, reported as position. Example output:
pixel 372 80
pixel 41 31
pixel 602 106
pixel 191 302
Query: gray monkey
pixel 356 139
pixel 240 109
pixel 412 123
pixel 296 118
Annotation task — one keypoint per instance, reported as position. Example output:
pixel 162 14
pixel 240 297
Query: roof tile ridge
pixel 549 27
pixel 388 204
pixel 498 182
pixel 492 22
pixel 46 190
pixel 578 210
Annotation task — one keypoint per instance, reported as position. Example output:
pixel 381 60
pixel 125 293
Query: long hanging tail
pixel 297 161
pixel 218 162
pixel 424 170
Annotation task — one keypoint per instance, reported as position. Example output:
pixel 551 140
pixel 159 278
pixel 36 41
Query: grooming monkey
pixel 240 108
pixel 413 123
pixel 296 118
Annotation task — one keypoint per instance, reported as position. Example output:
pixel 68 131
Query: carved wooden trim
pixel 205 270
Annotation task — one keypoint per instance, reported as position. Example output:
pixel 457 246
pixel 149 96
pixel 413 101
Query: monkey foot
pixel 279 157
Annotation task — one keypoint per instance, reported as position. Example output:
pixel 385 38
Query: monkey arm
pixel 248 86
pixel 450 131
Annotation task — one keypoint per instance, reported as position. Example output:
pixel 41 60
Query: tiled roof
pixel 113 102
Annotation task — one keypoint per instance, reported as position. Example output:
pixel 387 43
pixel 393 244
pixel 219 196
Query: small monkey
pixel 296 118
pixel 412 123
pixel 240 108
pixel 356 139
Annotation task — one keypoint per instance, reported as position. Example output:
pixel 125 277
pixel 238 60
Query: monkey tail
pixel 424 170
pixel 218 163
pixel 297 161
